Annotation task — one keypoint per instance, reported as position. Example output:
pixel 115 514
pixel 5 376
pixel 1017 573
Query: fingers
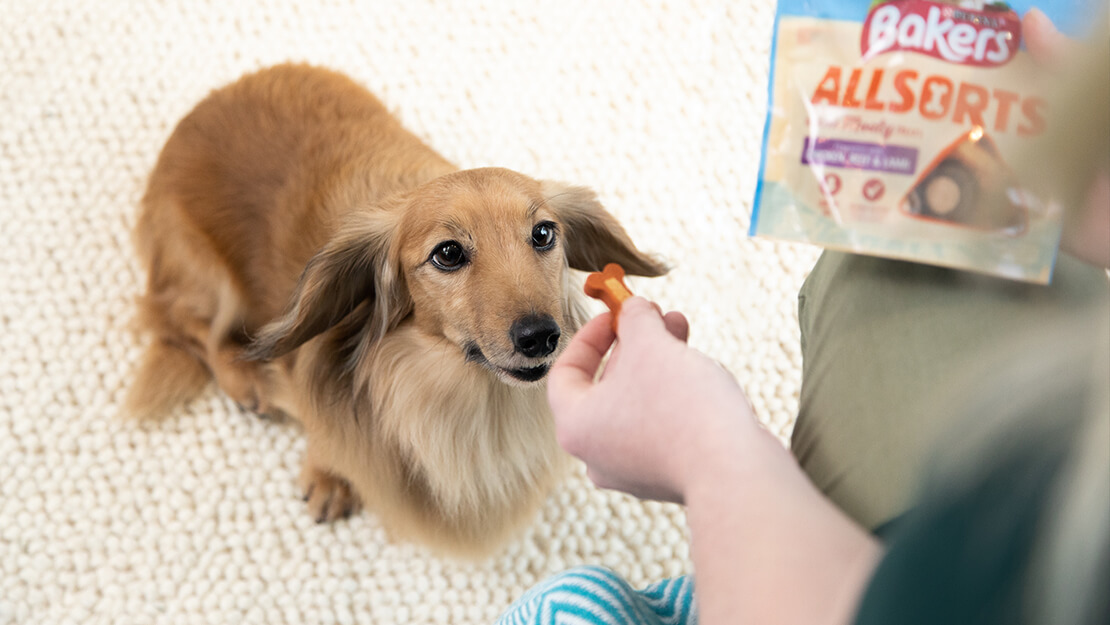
pixel 575 368
pixel 574 371
pixel 639 316
pixel 677 325
pixel 1047 45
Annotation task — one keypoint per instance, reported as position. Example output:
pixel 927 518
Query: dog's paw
pixel 329 497
pixel 243 388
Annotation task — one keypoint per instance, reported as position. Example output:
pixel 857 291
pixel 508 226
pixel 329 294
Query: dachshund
pixel 319 261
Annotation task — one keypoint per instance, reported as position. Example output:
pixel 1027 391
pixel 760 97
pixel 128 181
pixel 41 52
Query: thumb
pixel 640 317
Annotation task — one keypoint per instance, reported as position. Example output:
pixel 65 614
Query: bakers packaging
pixel 889 129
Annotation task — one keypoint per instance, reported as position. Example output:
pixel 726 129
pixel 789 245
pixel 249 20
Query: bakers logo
pixel 970 32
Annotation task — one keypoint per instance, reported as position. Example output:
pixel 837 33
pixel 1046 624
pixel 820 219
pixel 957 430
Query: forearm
pixel 767 547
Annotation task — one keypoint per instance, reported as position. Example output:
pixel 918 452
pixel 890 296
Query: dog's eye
pixel 543 236
pixel 448 256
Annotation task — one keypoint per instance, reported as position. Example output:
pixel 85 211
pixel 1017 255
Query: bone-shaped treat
pixel 608 286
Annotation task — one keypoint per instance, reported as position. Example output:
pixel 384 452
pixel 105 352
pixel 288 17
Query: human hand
pixel 659 412
pixel 1086 233
pixel 1048 46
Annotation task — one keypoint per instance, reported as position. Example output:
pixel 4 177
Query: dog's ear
pixel 358 265
pixel 592 237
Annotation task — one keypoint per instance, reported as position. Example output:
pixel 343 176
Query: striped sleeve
pixel 591 595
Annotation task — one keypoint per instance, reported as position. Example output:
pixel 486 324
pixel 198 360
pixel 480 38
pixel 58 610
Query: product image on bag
pixel 968 184
pixel 891 125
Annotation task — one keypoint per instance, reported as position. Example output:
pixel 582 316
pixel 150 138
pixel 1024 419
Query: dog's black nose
pixel 535 335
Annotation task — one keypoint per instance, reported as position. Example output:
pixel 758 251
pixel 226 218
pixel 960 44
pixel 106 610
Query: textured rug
pixel 658 106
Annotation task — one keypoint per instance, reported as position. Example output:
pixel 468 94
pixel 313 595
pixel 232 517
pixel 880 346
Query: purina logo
pixel 970 32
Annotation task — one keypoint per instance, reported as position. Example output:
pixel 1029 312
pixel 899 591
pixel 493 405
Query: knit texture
pixel 657 106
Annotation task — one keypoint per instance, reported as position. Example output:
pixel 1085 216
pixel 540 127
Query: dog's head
pixel 477 257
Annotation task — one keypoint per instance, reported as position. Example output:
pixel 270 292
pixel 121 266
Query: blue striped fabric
pixel 591 595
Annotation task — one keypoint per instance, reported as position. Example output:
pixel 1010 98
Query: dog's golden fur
pixel 294 232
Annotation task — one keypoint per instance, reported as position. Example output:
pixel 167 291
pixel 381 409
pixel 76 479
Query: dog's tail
pixel 167 377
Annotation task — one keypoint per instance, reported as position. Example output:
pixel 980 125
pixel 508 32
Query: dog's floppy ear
pixel 356 266
pixel 592 236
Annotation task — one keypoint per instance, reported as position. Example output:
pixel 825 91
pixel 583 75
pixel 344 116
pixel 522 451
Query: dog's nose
pixel 535 335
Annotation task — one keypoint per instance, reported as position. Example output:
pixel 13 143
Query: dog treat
pixel 608 286
pixel 890 125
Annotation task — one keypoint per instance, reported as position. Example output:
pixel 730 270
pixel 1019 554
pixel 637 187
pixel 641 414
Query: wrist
pixel 740 453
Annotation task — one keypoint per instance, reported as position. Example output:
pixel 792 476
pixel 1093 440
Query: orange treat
pixel 608 286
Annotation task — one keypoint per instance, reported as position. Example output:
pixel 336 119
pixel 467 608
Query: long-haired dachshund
pixel 319 261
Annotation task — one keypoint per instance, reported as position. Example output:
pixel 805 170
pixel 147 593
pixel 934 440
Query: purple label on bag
pixel 895 159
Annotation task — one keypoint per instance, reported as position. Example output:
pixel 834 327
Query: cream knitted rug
pixel 658 106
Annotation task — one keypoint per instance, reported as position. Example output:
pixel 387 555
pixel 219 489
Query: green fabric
pixel 880 340
pixel 966 558
pixel 1020 472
